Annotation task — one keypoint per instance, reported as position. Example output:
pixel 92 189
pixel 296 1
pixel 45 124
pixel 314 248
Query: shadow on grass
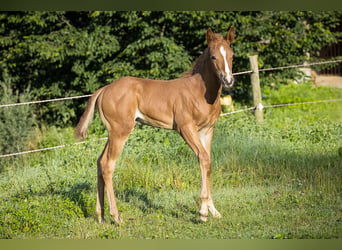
pixel 141 198
pixel 79 194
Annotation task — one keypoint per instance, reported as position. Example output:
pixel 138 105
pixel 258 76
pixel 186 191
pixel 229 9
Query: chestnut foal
pixel 189 104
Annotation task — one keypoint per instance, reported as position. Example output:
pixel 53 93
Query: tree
pixel 62 54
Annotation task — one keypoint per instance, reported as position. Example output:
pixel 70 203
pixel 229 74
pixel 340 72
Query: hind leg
pixel 100 191
pixel 106 166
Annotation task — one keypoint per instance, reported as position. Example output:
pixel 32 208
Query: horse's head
pixel 221 55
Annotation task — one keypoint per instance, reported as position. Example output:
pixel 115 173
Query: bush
pixel 16 122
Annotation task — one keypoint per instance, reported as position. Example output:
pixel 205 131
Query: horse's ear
pixel 210 35
pixel 231 34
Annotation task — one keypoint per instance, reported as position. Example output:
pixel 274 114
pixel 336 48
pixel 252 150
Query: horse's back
pixel 131 98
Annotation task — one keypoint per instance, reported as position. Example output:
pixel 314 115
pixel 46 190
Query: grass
pixel 278 180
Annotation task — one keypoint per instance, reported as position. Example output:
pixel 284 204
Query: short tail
pixel 82 126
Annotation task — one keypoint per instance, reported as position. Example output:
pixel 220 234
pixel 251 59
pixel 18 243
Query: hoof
pixel 217 215
pixel 100 220
pixel 203 218
pixel 214 212
pixel 118 220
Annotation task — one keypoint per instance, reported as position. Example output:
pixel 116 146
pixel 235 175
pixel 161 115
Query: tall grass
pixel 280 179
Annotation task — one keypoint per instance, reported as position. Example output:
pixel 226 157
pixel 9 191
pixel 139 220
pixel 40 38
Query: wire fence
pixel 260 106
pixel 44 101
pixel 302 65
pixel 41 150
pixel 234 74
pixel 223 114
pixel 49 148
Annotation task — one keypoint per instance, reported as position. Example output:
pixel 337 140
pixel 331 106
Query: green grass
pixel 281 179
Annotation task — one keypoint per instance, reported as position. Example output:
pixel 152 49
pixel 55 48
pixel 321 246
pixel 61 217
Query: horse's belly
pixel 160 120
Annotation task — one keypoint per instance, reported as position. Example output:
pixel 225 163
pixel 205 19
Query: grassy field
pixel 281 179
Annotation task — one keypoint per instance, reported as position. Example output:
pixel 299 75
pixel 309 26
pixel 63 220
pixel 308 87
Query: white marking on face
pixel 226 67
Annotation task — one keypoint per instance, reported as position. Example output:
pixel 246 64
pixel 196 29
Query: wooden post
pixel 256 88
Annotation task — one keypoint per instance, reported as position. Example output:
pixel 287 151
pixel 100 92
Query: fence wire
pixel 44 101
pixel 300 65
pixel 234 74
pixel 48 148
pixel 260 106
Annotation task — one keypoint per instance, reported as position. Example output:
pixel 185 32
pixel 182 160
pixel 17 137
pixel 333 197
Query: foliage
pixel 52 136
pixel 14 132
pixel 70 53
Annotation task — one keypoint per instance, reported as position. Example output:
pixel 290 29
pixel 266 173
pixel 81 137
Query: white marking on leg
pixel 139 117
pixel 204 212
pixel 138 114
pixel 212 209
pixel 203 139
pixel 226 66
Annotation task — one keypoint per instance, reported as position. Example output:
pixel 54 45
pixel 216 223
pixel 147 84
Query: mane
pixel 196 65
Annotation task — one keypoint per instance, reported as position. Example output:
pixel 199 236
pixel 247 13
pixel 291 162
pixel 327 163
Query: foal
pixel 189 104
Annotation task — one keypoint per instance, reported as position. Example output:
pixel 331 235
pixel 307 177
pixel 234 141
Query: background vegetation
pixel 281 179
pixel 60 54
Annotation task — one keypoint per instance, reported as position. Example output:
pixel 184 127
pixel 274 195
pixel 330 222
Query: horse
pixel 189 104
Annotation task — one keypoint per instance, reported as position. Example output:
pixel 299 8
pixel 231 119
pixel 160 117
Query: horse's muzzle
pixel 227 82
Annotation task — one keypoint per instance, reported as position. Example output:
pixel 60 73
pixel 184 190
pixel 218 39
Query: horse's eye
pixel 213 57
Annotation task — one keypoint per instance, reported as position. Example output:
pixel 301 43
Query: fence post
pixel 256 88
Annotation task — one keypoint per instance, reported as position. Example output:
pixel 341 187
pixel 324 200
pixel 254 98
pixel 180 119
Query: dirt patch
pixel 328 81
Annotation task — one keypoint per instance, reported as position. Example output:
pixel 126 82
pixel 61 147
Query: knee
pixel 105 168
pixel 204 160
